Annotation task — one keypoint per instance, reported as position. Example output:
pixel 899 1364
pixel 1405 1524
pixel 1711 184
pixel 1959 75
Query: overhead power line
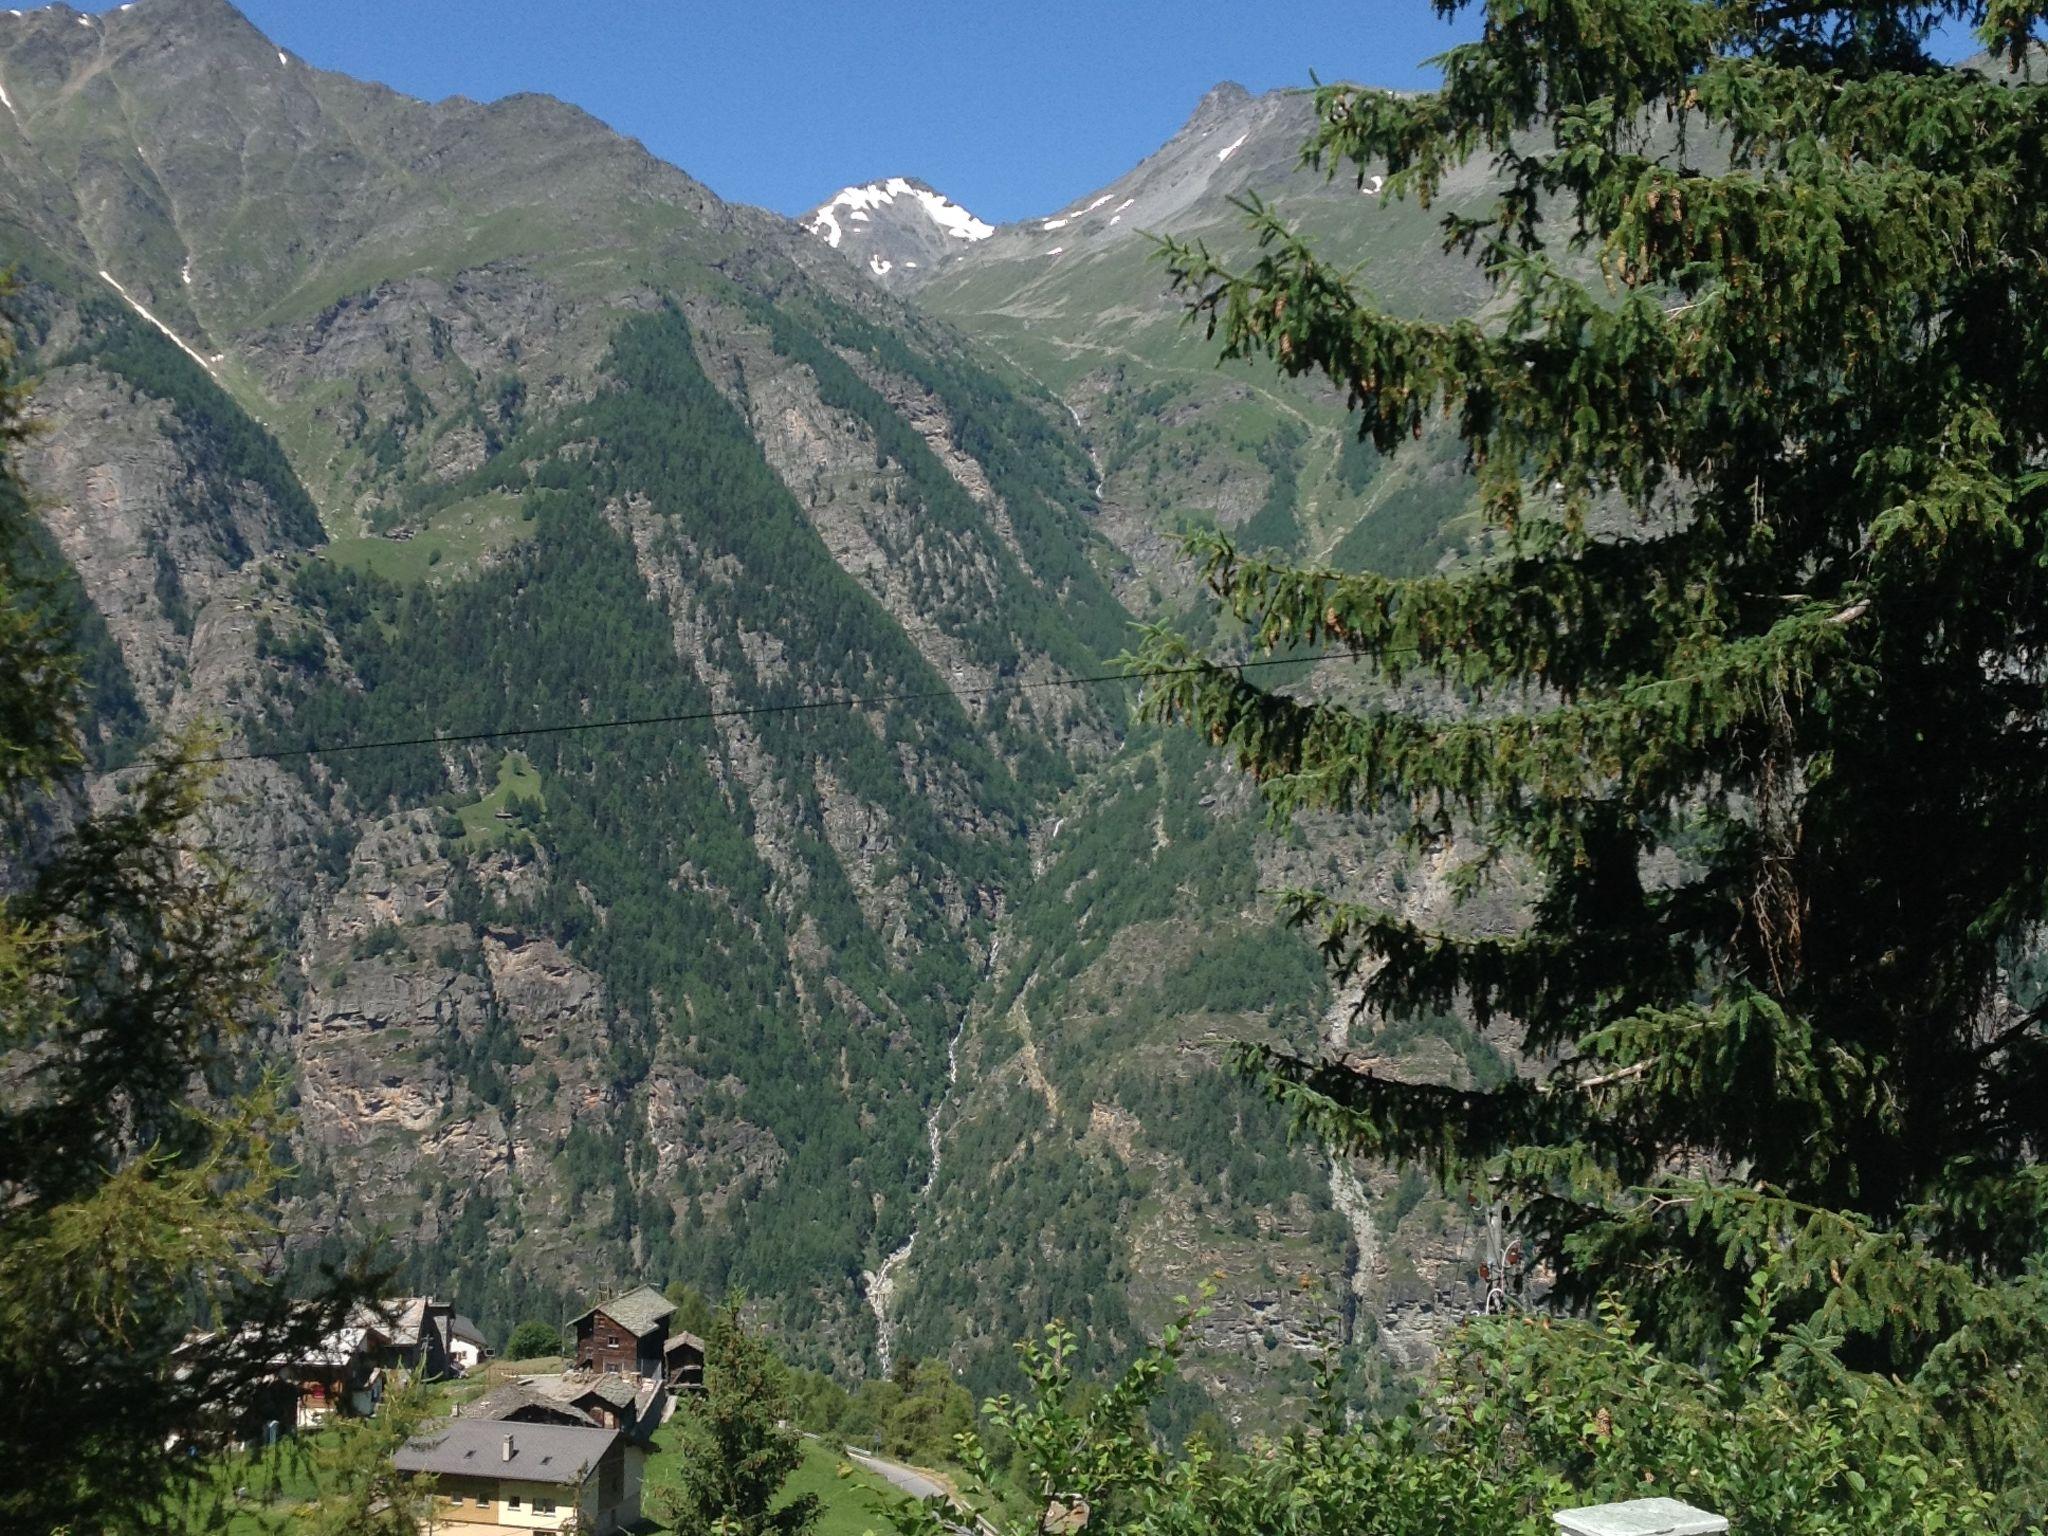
pixel 741 711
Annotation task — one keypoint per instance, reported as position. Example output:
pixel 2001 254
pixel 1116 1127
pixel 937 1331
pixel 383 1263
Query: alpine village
pixel 1307 808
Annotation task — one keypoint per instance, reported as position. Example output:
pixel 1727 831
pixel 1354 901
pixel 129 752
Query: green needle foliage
pixel 1748 683
pixel 736 1443
pixel 136 1187
pixel 1526 1416
pixel 366 1495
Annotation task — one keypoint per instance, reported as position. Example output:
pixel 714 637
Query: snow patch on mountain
pixel 180 342
pixel 956 221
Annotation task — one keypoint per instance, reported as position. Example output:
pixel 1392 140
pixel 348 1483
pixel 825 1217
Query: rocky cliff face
pixel 370 419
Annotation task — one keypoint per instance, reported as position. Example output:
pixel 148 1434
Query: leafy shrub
pixel 532 1339
pixel 1527 1415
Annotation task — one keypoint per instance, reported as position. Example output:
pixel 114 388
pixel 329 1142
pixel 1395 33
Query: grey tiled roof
pixel 503 1402
pixel 398 1319
pixel 559 1454
pixel 639 1312
pixel 613 1388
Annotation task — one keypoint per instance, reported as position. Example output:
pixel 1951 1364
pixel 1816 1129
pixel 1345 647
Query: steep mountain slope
pixel 1145 944
pixel 1101 1161
pixel 1079 301
pixel 701 981
pixel 369 419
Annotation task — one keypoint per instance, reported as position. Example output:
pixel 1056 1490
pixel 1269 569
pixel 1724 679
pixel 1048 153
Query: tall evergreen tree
pixel 1748 677
pixel 736 1443
pixel 136 1186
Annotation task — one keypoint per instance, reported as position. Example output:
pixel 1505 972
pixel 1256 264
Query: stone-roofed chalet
pixel 683 1362
pixel 409 1331
pixel 627 1334
pixel 617 1402
pixel 523 1402
pixel 630 1404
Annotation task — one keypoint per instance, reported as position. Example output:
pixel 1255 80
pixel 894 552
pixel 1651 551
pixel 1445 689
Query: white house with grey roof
pixel 465 1342
pixel 525 1476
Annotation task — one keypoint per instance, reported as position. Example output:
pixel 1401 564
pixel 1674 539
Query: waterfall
pixel 880 1284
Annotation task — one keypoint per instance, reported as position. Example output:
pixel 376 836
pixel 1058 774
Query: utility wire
pixel 840 701
pixel 740 711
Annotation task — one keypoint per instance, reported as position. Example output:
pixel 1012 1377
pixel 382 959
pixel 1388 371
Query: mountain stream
pixel 880 1283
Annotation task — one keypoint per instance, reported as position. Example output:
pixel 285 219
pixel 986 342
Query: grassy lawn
pixel 453 540
pixel 253 1493
pixel 264 1492
pixel 846 1509
pixel 481 827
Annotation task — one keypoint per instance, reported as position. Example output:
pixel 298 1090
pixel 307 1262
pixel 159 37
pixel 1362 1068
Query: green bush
pixel 918 1414
pixel 1527 1415
pixel 532 1339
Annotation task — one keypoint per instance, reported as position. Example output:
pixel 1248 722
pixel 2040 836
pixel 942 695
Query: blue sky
pixel 1012 108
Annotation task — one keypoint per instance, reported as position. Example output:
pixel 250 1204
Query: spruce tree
pixel 736 1445
pixel 141 1313
pixel 1744 681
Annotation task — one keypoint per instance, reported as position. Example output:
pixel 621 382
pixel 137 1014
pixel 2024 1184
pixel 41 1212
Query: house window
pixel 543 1505
pixel 511 1501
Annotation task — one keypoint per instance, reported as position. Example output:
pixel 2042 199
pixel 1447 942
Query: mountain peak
pixel 1221 100
pixel 858 205
pixel 897 225
pixel 215 17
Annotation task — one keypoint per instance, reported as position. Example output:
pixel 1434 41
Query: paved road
pixel 917 1484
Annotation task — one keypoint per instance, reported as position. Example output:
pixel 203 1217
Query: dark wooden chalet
pixel 683 1362
pixel 618 1402
pixel 600 1399
pixel 627 1334
pixel 411 1333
